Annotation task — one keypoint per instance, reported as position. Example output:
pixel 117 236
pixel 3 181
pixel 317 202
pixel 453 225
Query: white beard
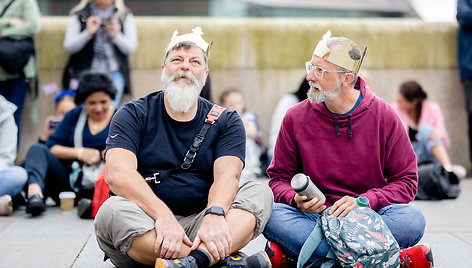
pixel 182 94
pixel 322 94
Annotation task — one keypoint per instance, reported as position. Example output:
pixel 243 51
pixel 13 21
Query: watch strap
pixel 215 210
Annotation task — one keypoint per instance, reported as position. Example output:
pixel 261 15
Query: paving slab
pixel 449 250
pixel 92 256
pixel 58 239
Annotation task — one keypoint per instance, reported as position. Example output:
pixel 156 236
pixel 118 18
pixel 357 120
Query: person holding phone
pixel 100 37
pixel 64 102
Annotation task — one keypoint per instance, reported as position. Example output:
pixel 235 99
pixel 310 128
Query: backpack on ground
pixel 436 183
pixel 360 239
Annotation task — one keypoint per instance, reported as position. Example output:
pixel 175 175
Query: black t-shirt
pixel 160 143
pixel 412 134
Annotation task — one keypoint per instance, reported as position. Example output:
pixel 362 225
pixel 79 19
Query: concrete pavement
pixel 57 239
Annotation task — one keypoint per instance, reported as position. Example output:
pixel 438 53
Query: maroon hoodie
pixel 365 153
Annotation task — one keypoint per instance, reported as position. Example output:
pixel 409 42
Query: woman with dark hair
pixel 49 166
pixel 424 122
pixel 287 101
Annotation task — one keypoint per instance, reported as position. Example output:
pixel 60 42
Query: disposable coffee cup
pixel 67 201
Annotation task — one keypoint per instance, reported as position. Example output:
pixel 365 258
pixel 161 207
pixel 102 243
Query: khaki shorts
pixel 120 220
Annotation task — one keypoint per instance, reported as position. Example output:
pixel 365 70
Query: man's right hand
pixel 311 206
pixel 170 236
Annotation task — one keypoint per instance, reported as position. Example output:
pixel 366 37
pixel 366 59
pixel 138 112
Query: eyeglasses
pixel 319 71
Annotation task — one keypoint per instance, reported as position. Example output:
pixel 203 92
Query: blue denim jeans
pixel 15 90
pixel 289 227
pixel 423 146
pixel 12 180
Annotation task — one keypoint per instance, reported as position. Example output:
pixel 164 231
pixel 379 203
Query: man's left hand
pixel 214 233
pixel 343 206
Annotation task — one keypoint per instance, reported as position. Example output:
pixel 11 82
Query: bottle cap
pixel 362 201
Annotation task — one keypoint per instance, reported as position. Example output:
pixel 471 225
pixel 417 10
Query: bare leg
pixel 33 189
pixel 241 225
pixel 440 152
pixel 142 249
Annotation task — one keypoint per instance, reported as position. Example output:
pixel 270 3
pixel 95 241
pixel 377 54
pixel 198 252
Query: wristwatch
pixel 216 211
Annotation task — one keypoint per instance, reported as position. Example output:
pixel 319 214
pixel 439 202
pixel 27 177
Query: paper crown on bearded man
pixel 195 37
pixel 341 55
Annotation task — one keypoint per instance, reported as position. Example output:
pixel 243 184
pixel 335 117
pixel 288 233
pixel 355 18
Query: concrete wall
pixel 265 58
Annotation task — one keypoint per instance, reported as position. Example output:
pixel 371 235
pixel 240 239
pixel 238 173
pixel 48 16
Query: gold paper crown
pixel 339 55
pixel 194 37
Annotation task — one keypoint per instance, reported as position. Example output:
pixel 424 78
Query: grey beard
pixel 181 97
pixel 323 95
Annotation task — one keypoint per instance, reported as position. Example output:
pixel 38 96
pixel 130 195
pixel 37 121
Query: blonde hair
pixel 119 4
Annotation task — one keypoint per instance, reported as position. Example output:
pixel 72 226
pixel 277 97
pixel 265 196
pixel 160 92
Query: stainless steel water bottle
pixel 302 185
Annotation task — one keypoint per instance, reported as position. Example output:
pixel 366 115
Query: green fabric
pixel 28 11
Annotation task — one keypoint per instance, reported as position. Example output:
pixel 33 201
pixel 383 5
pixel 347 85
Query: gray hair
pixel 354 53
pixel 186 44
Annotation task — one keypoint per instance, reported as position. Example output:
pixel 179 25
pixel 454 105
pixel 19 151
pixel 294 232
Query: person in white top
pixel 285 103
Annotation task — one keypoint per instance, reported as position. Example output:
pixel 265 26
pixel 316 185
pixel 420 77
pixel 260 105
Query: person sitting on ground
pixel 100 37
pixel 49 166
pixel 64 102
pixel 173 208
pixel 12 178
pixel 424 122
pixel 351 144
pixel 233 99
pixel 286 102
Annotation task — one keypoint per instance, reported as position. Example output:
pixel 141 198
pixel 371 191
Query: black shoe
pixel 84 208
pixel 35 205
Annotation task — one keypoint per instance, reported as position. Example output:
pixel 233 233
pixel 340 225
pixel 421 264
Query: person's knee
pixel 406 222
pixel 257 199
pixel 37 148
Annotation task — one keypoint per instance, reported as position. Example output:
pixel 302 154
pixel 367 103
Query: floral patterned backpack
pixel 361 239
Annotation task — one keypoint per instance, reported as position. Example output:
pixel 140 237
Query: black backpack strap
pixel 211 118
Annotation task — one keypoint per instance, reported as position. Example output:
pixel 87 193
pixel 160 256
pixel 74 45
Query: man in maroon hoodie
pixel 350 143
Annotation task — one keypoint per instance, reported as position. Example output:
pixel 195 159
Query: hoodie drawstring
pixel 349 130
pixel 336 123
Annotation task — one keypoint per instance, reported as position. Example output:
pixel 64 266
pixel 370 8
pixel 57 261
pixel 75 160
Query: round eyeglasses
pixel 319 71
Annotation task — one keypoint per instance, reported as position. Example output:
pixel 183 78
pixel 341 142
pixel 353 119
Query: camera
pixel 54 123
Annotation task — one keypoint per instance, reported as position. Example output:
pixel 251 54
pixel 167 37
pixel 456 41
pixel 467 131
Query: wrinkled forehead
pixel 188 50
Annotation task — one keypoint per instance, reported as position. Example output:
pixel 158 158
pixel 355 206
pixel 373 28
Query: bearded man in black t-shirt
pixel 177 200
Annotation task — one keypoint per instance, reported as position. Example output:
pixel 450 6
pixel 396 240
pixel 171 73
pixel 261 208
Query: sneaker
pixel 257 260
pixel 458 170
pixel 186 262
pixel 35 205
pixel 277 257
pixel 419 256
